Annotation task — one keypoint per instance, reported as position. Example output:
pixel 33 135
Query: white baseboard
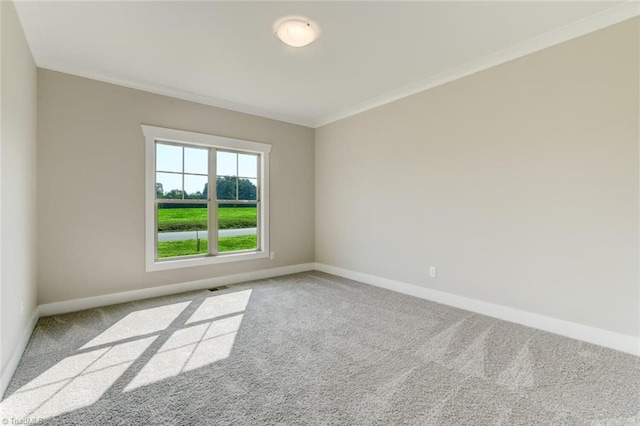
pixel 165 290
pixel 129 296
pixel 10 367
pixel 597 336
pixel 609 339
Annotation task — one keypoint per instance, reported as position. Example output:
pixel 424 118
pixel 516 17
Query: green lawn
pixel 192 219
pixel 189 247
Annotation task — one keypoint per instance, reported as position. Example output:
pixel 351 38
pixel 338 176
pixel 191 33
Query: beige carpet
pixel 312 349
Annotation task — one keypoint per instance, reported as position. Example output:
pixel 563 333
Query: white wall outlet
pixel 272 255
pixel 433 272
pixel 21 306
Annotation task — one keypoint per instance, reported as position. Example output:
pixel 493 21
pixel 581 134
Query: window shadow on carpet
pixel 141 348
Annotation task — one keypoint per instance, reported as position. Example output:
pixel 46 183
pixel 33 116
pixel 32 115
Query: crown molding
pixel 579 28
pixel 177 94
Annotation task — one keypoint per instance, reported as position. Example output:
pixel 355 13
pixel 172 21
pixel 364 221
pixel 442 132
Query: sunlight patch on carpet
pixel 188 349
pixel 75 382
pixel 139 323
pixel 218 306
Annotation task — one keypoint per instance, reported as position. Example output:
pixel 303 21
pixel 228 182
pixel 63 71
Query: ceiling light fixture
pixel 295 31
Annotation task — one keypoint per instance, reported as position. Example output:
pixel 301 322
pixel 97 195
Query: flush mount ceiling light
pixel 295 31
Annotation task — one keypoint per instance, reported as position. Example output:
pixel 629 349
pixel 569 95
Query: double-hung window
pixel 207 199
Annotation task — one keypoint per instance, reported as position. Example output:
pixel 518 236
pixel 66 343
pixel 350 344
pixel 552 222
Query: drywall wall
pixel 18 95
pixel 91 154
pixel 519 183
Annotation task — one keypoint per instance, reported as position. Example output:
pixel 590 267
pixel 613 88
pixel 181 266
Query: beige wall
pixel 18 89
pixel 91 155
pixel 520 183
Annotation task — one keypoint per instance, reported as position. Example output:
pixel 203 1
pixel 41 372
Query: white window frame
pixel 155 134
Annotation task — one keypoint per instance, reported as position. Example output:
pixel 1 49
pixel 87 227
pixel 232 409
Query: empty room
pixel 320 213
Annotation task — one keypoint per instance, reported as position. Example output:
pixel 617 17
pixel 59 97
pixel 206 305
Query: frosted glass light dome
pixel 296 32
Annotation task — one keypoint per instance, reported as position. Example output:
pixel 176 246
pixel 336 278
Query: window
pixel 207 199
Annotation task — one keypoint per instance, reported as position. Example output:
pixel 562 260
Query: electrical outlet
pixel 272 255
pixel 21 306
pixel 433 272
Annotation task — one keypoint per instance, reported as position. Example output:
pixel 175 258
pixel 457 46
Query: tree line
pixel 226 189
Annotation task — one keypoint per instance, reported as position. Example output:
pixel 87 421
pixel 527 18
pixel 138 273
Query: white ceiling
pixel 368 53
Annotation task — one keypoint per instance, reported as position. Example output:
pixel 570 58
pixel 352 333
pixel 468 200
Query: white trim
pixel 165 265
pixel 585 26
pixel 263 194
pixel 185 95
pixel 75 305
pixel 165 290
pixel 597 336
pixel 153 134
pixel 585 333
pixel 10 367
pixel 182 136
pixel 588 25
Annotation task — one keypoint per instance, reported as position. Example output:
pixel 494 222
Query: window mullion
pixel 183 172
pixel 237 176
pixel 212 204
pixel 259 204
pixel 155 225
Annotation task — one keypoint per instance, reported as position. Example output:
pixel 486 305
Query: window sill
pixel 164 265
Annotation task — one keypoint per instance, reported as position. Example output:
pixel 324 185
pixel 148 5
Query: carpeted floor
pixel 312 348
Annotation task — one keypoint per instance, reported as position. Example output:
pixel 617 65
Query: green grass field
pixel 195 219
pixel 189 247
